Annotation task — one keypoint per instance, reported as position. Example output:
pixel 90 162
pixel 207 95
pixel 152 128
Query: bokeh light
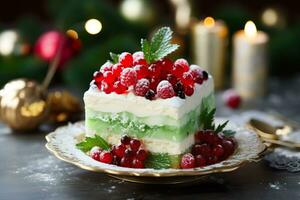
pixel 93 26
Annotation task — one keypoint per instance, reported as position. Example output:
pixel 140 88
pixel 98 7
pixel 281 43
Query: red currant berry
pixel 106 87
pixel 187 161
pixel 117 69
pixel 141 71
pixel 137 164
pixel 125 162
pixel 200 161
pixel 228 147
pixel 106 67
pixel 199 137
pixel 119 88
pixel 128 77
pixel 218 151
pixel 189 90
pixel 205 150
pixel 116 160
pixel 106 157
pixel 128 153
pixel 119 150
pixel 153 83
pixel 167 65
pixel 141 87
pixel 109 77
pixel 187 79
pixel 137 55
pixel 172 79
pixel 126 59
pixel 180 66
pixel 125 139
pixel 165 90
pixel 196 149
pixel 95 153
pixel 134 145
pixel 232 99
pixel 155 70
pixel 98 77
pixel 141 154
pixel 140 61
pixel 212 160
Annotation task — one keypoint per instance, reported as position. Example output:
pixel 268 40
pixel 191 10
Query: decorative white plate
pixel 62 143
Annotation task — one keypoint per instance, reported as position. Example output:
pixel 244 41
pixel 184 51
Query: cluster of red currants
pixel 210 148
pixel 161 79
pixel 129 153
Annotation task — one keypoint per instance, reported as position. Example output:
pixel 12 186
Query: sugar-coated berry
pixel 134 144
pixel 126 59
pixel 232 99
pixel 187 161
pixel 197 74
pixel 165 90
pixel 128 77
pixel 140 61
pixel 141 154
pixel 137 55
pixel 141 71
pixel 187 79
pixel 189 90
pixel 218 151
pixel 95 153
pixel 126 162
pixel 150 94
pixel 98 77
pixel 137 164
pixel 108 76
pixel 200 161
pixel 117 69
pixel 107 66
pixel 125 139
pixel 180 66
pixel 141 87
pixel 106 157
pixel 119 150
pixel 119 88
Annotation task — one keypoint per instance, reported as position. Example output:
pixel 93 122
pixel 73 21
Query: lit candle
pixel 209 41
pixel 250 62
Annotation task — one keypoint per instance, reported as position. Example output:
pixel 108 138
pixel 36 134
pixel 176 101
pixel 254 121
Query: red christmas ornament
pixel 49 44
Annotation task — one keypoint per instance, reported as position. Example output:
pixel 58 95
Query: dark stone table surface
pixel 29 171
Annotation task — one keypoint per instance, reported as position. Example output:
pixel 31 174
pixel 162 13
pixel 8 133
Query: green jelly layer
pixel 106 124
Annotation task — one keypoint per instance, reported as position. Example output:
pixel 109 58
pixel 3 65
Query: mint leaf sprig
pixel 90 142
pixel 207 121
pixel 158 161
pixel 159 46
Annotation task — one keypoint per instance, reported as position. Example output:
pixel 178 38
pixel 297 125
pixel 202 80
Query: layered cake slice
pixel 157 103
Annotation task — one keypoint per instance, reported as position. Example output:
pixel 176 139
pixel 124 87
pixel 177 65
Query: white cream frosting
pixel 140 106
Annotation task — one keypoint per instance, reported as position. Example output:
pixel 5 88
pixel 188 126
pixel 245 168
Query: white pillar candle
pixel 209 42
pixel 250 62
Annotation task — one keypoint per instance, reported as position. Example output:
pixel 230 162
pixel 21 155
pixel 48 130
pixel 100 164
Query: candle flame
pixel 250 29
pixel 209 22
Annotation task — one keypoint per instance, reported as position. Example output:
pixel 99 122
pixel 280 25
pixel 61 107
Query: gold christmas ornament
pixel 23 104
pixel 63 106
